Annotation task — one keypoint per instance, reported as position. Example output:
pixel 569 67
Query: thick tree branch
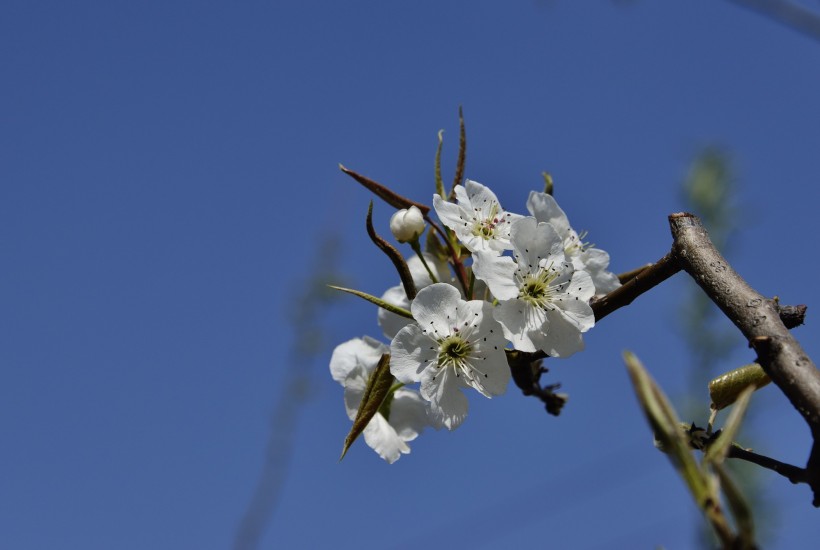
pixel 758 318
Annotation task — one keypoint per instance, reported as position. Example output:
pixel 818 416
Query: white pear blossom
pixel 407 224
pixel 583 256
pixel 455 344
pixel 391 323
pixel 478 219
pixel 543 299
pixel 402 416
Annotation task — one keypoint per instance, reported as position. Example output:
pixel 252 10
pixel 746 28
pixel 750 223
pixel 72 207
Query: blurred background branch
pixel 309 342
pixel 789 14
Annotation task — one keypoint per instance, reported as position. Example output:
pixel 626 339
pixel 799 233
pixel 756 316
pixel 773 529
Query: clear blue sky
pixel 167 171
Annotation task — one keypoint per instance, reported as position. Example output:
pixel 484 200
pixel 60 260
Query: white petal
pixel 355 384
pixel 520 322
pixel 488 371
pixel 432 306
pixel 498 272
pixel 481 198
pixel 536 243
pixel 562 339
pixel 390 323
pixel 496 374
pixel 410 353
pixel 452 215
pixel 382 438
pixel 461 196
pixel 358 351
pixel 595 261
pixel 545 209
pixel 419 273
pixel 408 413
pixel 448 404
pixel 574 303
pixel 605 282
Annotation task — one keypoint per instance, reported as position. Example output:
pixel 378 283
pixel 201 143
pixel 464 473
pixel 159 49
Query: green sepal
pixel 378 301
pixel 378 386
pixel 462 153
pixel 390 197
pixel 439 181
pixel 548 184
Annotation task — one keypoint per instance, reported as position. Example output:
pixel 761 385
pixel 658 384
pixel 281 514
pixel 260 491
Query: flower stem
pixel 417 249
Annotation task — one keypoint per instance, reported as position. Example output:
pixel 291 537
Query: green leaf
pixel 664 422
pixel 378 387
pixel 378 301
pixel 741 511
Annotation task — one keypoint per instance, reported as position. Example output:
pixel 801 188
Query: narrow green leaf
pixel 378 301
pixel 717 451
pixel 394 255
pixel 439 181
pixel 378 386
pixel 390 197
pixel 664 422
pixel 741 511
pixel 725 389
pixel 462 153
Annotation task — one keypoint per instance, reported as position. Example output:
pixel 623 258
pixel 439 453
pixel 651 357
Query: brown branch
pixel 790 472
pixel 758 318
pixel 644 279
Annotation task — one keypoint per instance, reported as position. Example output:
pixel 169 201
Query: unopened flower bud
pixel 407 224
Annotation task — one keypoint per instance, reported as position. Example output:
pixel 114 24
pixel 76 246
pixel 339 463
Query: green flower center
pixel 535 287
pixel 453 350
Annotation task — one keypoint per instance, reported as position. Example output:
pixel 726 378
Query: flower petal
pixel 574 304
pixel 448 404
pixel 389 322
pixel 432 306
pixel 562 339
pixel 521 322
pixel 498 272
pixel 355 384
pixel 358 351
pixel 383 439
pixel 546 209
pixel 536 244
pixel 410 353
pixel 408 413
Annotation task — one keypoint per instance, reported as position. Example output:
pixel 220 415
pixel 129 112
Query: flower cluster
pixel 490 282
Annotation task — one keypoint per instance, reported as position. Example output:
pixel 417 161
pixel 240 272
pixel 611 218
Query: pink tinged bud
pixel 407 224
